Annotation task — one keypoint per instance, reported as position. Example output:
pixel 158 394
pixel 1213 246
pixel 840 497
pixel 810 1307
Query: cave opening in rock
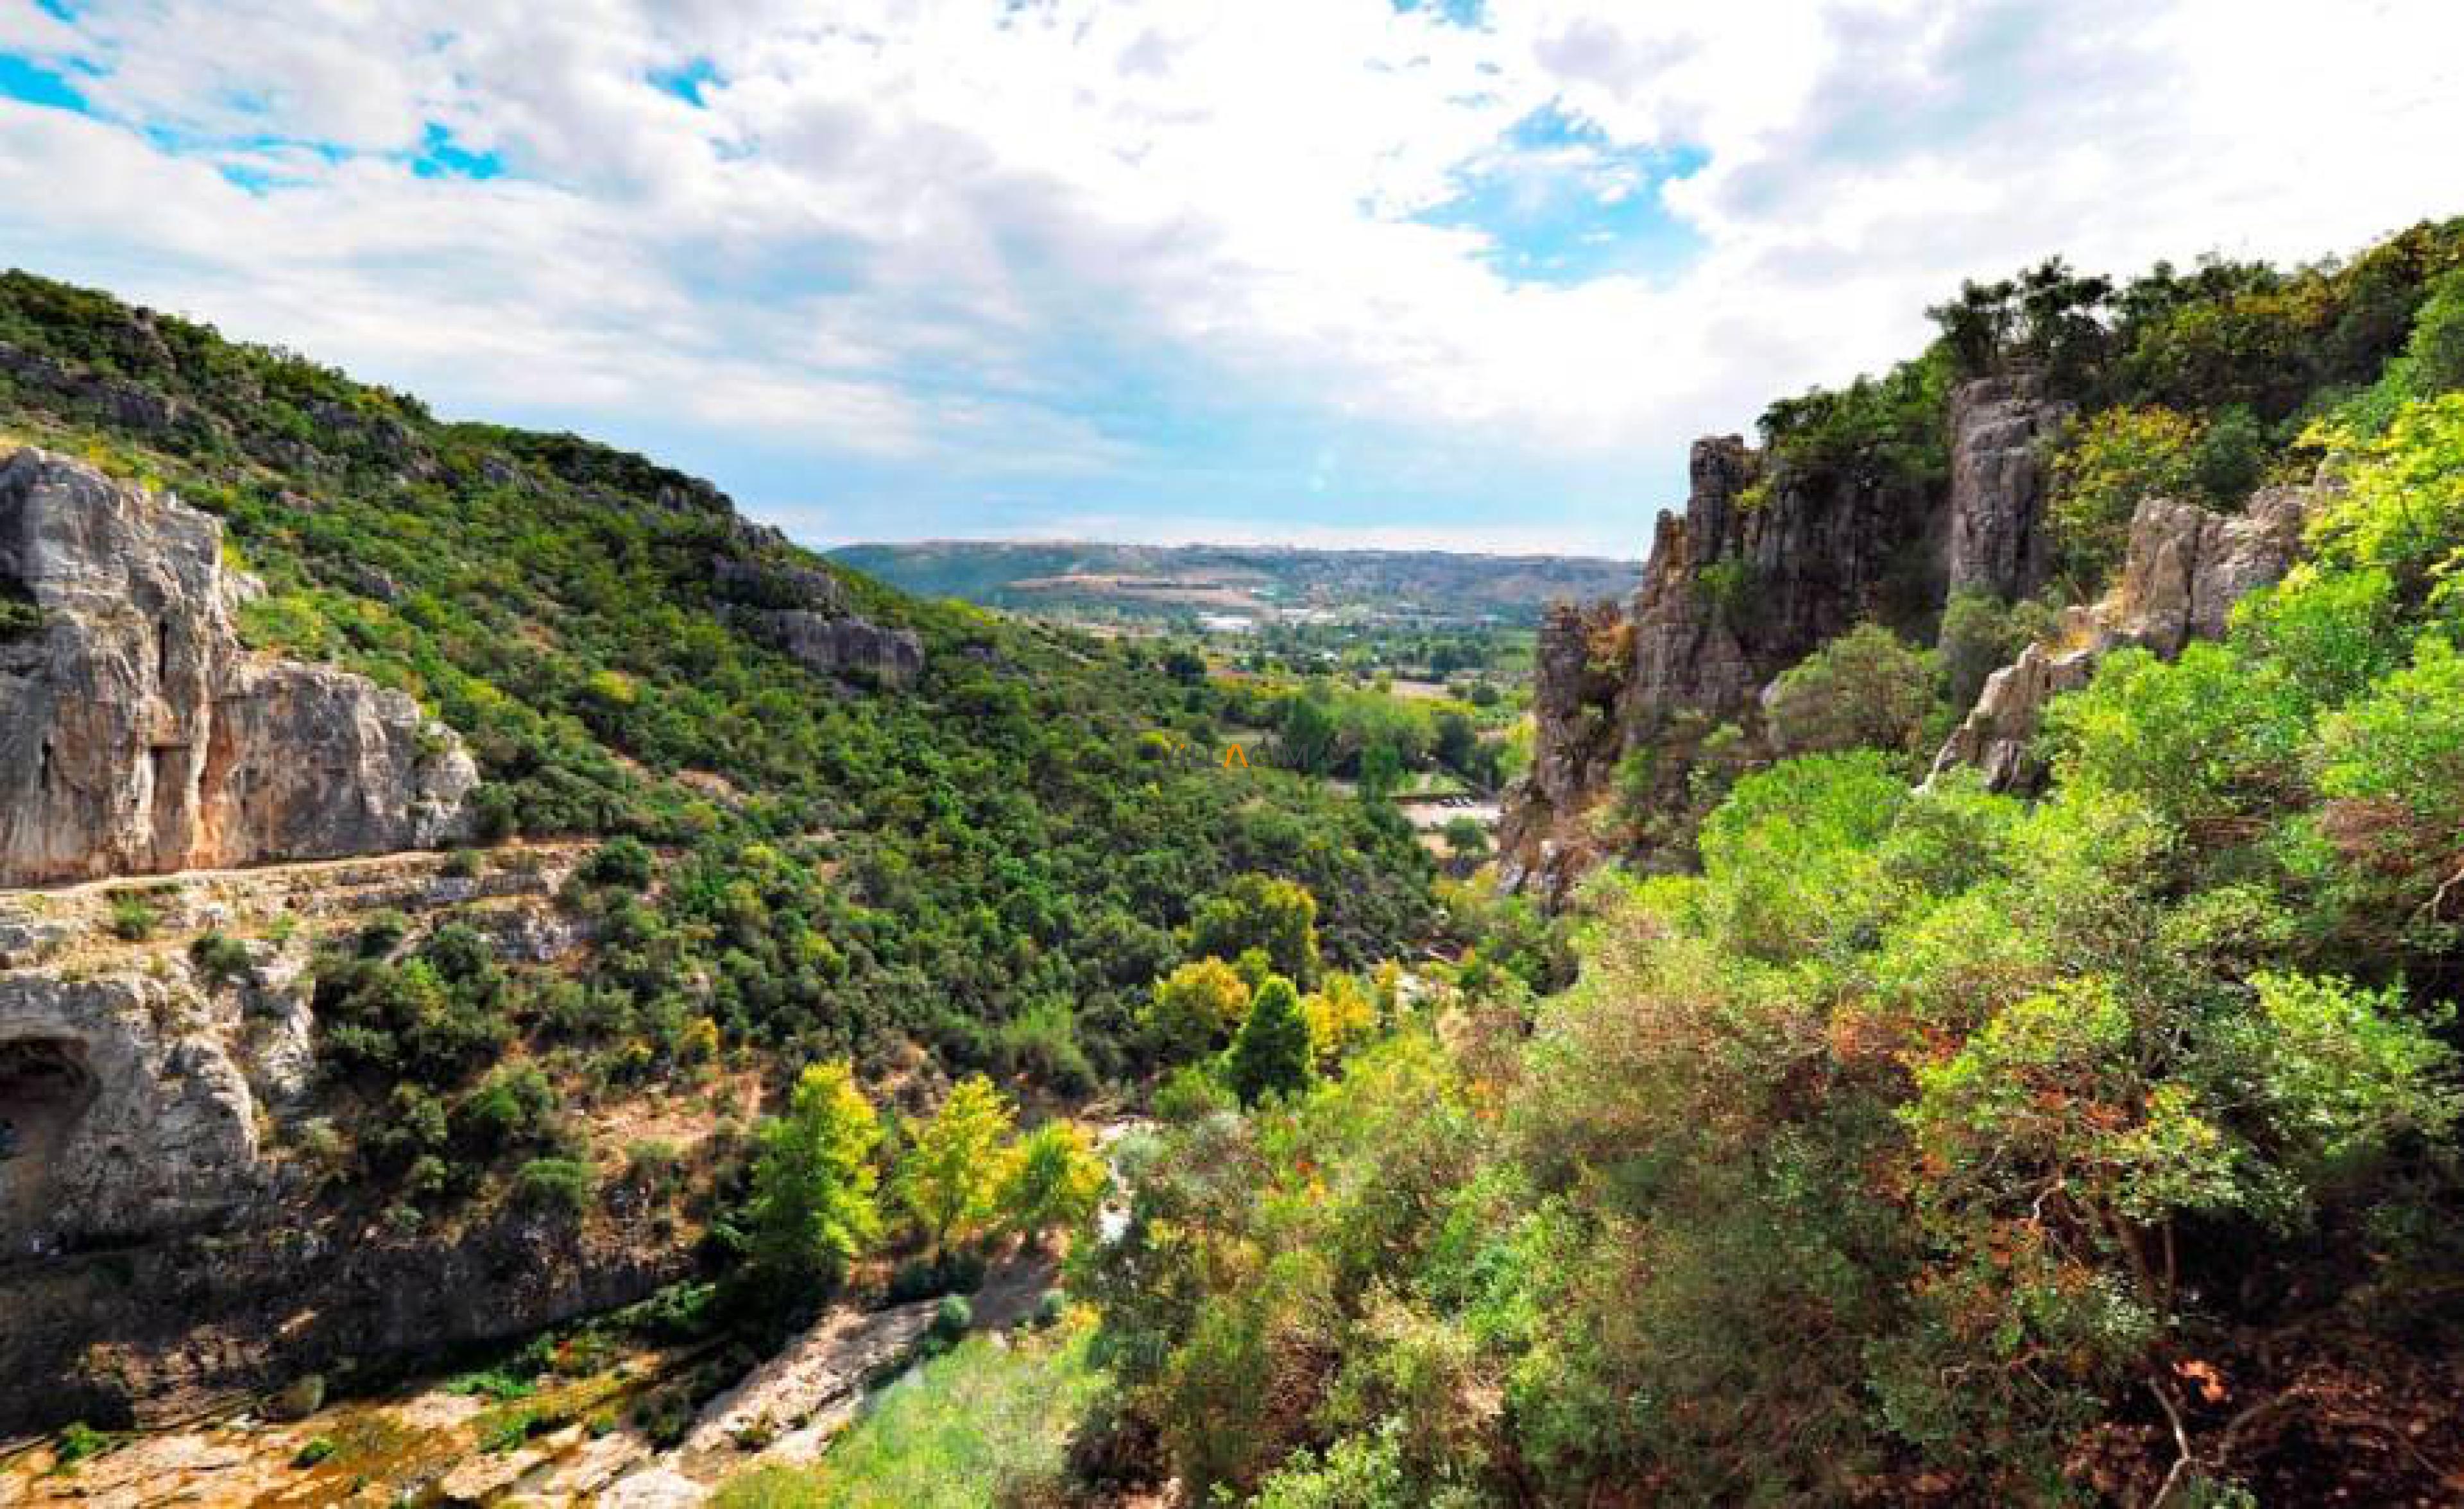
pixel 45 1091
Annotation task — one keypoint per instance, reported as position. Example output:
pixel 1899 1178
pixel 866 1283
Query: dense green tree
pixel 1271 1052
pixel 1196 1009
pixel 812 1208
pixel 1055 1181
pixel 1865 690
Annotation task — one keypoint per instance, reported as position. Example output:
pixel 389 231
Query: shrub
pixel 1865 690
pixel 1190 1093
pixel 221 960
pixel 952 1318
pixel 78 1442
pixel 624 862
pixel 512 1107
pixel 953 1169
pixel 132 919
pixel 2434 355
pixel 1261 911
pixel 1196 1009
pixel 1980 635
pixel 1056 1179
pixel 2118 459
pixel 554 1185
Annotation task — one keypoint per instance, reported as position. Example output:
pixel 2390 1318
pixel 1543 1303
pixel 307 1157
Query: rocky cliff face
pixel 136 735
pixel 1998 541
pixel 2185 569
pixel 805 614
pixel 1765 566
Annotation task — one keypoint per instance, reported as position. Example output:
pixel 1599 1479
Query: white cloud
pixel 1009 241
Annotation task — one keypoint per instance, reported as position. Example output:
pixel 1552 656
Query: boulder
pixel 136 734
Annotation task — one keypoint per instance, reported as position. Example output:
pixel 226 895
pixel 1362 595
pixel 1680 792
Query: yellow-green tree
pixel 1196 1007
pixel 1340 1015
pixel 1055 1181
pixel 952 1175
pixel 1260 911
pixel 813 1207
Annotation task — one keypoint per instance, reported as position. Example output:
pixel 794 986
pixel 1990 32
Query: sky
pixel 1456 274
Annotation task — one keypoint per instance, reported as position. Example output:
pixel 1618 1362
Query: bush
pixel 1196 1009
pixel 560 1186
pixel 2118 459
pixel 952 1318
pixel 923 1277
pixel 1980 635
pixel 221 960
pixel 1865 690
pixel 2434 356
pixel 514 1106
pixel 1190 1093
pixel 133 919
pixel 1271 1052
pixel 813 1209
pixel 622 863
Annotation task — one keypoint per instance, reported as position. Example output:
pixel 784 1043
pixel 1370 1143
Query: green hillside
pixel 989 863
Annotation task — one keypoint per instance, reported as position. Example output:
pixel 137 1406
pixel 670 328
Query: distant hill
pixel 1170 580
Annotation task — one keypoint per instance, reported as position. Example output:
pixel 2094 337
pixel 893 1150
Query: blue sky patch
pixel 438 157
pixel 31 83
pixel 1561 204
pixel 687 81
pixel 1462 12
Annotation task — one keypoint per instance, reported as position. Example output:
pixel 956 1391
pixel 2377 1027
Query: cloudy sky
pixel 1463 272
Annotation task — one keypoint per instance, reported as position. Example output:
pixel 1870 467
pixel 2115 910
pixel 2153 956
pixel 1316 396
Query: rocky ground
pixel 581 1441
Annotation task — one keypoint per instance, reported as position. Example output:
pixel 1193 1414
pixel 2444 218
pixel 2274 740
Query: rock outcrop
pixel 1997 544
pixel 131 1114
pixel 845 648
pixel 2185 569
pixel 804 613
pixel 137 736
pixel 1765 564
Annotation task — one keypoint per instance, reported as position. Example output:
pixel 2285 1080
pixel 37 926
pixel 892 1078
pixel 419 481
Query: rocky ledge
pixel 138 737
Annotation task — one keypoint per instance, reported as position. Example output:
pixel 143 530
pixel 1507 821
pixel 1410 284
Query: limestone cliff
pixel 2185 569
pixel 136 735
pixel 1766 563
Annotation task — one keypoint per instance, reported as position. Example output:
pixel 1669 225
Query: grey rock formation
pixel 1763 567
pixel 777 585
pixel 1996 540
pixel 136 735
pixel 2186 566
pixel 1997 734
pixel 134 1117
pixel 2185 569
pixel 1581 659
pixel 839 647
